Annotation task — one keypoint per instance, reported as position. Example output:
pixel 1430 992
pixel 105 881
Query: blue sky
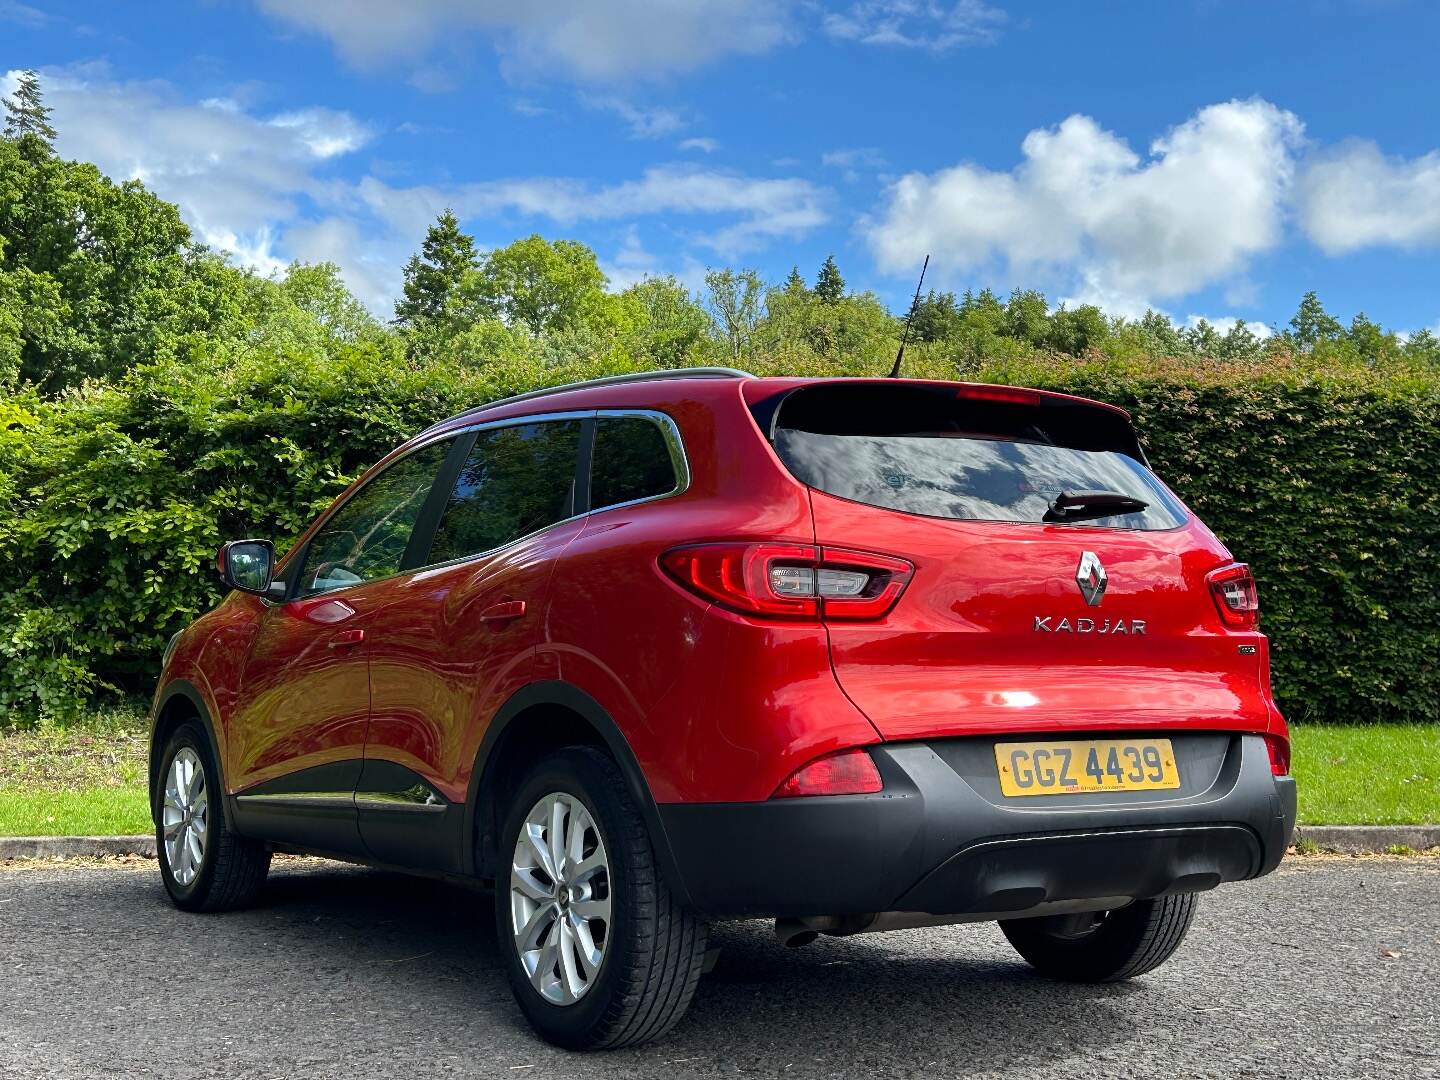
pixel 1205 157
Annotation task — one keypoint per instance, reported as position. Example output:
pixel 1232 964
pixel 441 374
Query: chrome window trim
pixel 674 442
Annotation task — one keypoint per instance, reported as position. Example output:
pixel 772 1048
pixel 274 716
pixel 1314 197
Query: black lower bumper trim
pixel 937 841
pixel 1014 874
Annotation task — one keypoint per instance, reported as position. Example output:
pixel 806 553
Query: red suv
pixel 852 654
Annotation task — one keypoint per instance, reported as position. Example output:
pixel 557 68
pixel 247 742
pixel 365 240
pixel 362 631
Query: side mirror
pixel 247 565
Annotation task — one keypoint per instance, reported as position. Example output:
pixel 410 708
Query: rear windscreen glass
pixel 986 461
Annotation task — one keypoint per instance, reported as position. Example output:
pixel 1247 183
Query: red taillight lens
pixel 1233 588
pixel 791 580
pixel 1279 755
pixel 850 772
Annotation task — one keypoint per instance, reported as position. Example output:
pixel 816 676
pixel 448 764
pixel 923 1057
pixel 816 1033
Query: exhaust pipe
pixel 793 933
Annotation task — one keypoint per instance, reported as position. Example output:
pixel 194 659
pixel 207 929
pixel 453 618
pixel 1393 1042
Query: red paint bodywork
pixel 718 706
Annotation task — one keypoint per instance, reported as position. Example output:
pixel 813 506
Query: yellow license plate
pixel 1086 767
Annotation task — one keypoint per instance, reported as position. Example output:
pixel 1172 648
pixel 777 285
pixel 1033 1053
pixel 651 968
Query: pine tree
pixel 434 274
pixel 795 284
pixel 26 113
pixel 829 285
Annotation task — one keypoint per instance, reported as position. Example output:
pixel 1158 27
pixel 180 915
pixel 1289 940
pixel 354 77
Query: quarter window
pixel 631 461
pixel 515 481
pixel 366 538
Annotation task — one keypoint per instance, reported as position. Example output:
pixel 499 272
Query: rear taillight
pixel 791 580
pixel 849 772
pixel 1233 588
pixel 1279 755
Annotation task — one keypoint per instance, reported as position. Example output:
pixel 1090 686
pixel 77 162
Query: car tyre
pixel 204 864
pixel 616 962
pixel 1107 946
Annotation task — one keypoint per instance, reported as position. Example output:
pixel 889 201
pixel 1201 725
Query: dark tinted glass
pixel 366 538
pixel 948 475
pixel 515 481
pixel 632 461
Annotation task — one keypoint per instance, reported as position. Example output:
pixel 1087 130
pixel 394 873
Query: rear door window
pixel 632 461
pixel 947 457
pixel 516 480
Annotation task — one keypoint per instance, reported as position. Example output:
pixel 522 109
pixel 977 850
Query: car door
pixel 303 706
pixel 450 641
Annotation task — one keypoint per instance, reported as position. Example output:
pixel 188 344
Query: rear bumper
pixel 941 840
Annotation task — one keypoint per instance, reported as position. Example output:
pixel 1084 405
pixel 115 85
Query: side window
pixel 516 481
pixel 366 538
pixel 631 461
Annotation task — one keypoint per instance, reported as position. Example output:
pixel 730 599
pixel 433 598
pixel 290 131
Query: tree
pixel 670 326
pixel 434 275
pixel 736 302
pixel 26 112
pixel 1078 330
pixel 935 318
pixel 1240 343
pixel 1203 339
pixel 795 284
pixel 1027 317
pixel 1159 334
pixel 829 285
pixel 543 285
pixel 1312 324
pixel 107 274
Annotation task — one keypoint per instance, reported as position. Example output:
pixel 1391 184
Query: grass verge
pixel 77 782
pixel 91 781
pixel 1371 774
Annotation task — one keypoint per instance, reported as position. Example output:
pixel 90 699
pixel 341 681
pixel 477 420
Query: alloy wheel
pixel 184 816
pixel 560 898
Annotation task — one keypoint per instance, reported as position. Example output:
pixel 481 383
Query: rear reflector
pixel 1233 589
pixel 849 772
pixel 790 580
pixel 1279 755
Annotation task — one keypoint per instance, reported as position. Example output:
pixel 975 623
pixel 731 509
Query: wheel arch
pixel 538 718
pixel 180 701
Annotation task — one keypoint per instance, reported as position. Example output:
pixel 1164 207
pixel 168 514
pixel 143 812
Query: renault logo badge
pixel 1091 578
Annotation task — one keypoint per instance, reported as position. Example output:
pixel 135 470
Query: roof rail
pixel 608 380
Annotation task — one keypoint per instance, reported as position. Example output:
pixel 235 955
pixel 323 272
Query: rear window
pixel 923 450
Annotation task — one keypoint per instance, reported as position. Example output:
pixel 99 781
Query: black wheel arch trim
pixel 561 694
pixel 191 693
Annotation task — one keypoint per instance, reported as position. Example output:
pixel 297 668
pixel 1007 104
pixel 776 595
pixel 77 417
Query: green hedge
pixel 114 498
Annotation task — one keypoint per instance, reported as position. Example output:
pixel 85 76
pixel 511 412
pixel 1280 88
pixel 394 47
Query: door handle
pixel 510 609
pixel 346 638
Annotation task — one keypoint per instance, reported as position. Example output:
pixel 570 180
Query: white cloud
pixel 1118 229
pixel 237 177
pixel 916 24
pixel 859 157
pixel 24 14
pixel 618 39
pixel 325 132
pixel 704 144
pixel 645 122
pixel 764 209
pixel 1356 197
pixel 264 188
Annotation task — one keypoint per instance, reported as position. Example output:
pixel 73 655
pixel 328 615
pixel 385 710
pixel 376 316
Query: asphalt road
pixel 351 973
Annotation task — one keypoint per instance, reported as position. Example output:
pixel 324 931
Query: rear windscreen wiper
pixel 1085 505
